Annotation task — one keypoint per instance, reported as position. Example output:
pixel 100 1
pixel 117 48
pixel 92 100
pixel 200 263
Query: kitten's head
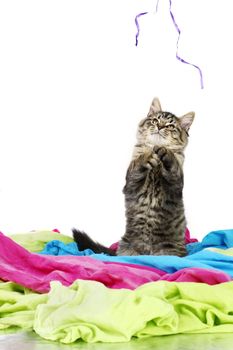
pixel 164 128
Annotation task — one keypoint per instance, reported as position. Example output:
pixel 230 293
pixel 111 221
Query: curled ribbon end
pixel 177 46
pixel 137 25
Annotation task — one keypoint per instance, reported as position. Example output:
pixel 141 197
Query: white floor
pixel 30 341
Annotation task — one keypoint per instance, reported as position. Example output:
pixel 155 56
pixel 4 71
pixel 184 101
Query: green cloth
pixel 90 311
pixel 35 241
pixel 228 251
pixel 18 306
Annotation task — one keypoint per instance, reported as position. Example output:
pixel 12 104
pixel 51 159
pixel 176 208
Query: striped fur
pixel 155 218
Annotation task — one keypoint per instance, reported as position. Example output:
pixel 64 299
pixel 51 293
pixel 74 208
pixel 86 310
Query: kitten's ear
pixel 155 106
pixel 187 120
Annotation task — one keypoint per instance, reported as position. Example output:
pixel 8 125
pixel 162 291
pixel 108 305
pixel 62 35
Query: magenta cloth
pixel 56 230
pixel 197 275
pixel 114 246
pixel 36 271
pixel 188 240
pixel 194 274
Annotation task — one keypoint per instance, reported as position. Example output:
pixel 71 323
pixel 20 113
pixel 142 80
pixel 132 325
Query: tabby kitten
pixel 155 219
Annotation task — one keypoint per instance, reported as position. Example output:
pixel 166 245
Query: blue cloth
pixel 56 247
pixel 205 259
pixel 219 239
pixel 201 258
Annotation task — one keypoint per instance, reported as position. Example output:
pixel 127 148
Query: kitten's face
pixel 164 129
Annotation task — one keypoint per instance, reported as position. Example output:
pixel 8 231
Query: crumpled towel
pixel 89 311
pixel 35 241
pixel 56 247
pixel 222 239
pixel 92 312
pixel 36 271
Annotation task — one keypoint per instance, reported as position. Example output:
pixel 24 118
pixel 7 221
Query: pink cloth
pixel 197 275
pixel 36 271
pixel 56 230
pixel 188 239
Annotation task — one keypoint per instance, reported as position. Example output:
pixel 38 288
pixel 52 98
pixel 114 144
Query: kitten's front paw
pixel 165 156
pixel 152 161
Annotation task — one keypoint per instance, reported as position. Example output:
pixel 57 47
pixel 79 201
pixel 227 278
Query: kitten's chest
pixel 153 196
pixel 149 203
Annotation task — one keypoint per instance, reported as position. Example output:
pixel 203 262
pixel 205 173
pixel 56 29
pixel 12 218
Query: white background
pixel 73 88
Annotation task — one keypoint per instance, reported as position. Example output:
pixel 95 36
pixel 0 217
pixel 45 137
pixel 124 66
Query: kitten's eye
pixel 154 121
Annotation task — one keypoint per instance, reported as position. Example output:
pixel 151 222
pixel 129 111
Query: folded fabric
pixel 222 239
pixel 35 241
pixel 188 238
pixel 205 259
pixel 17 307
pixel 89 311
pixel 92 312
pixel 36 271
pixel 228 251
pixel 56 247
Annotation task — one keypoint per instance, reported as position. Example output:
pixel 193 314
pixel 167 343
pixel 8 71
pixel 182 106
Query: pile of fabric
pixel 63 294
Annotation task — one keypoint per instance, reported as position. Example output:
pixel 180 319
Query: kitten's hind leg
pixel 126 252
pixel 176 248
pixel 125 248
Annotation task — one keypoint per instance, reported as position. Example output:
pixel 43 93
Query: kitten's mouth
pixel 156 138
pixel 157 134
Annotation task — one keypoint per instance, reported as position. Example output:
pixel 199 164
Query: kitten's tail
pixel 85 242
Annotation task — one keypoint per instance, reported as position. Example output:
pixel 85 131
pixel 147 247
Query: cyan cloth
pixel 198 255
pixel 222 239
pixel 36 271
pixel 56 247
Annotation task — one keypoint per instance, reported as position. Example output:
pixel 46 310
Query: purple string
pixel 177 44
pixel 137 25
